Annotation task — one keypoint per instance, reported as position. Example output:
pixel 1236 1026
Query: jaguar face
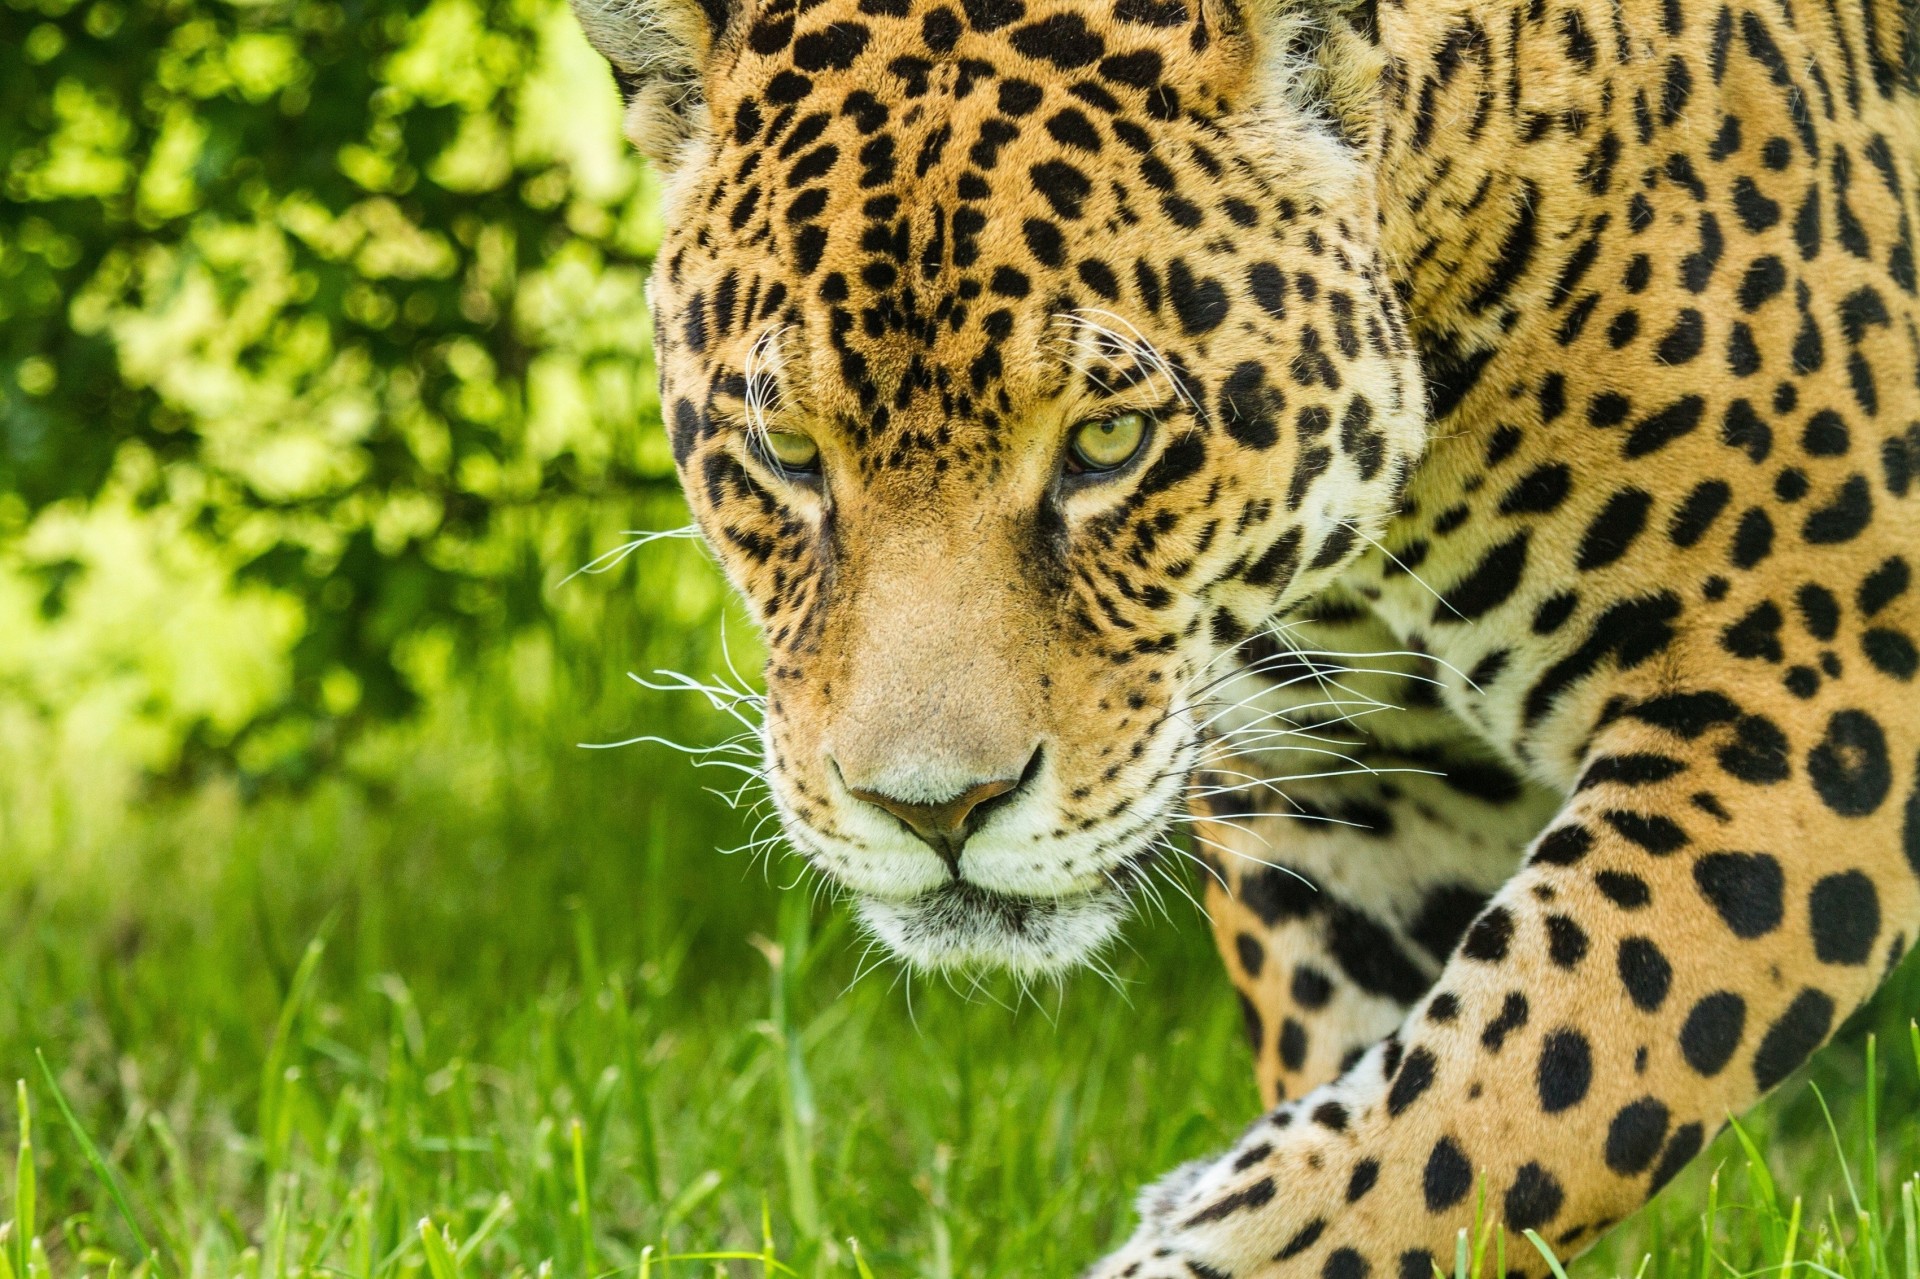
pixel 1018 359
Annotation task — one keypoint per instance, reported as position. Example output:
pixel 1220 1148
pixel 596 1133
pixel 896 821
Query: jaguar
pixel 1452 466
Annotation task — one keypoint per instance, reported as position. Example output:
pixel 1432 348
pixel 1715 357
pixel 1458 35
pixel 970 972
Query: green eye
pixel 792 450
pixel 1102 444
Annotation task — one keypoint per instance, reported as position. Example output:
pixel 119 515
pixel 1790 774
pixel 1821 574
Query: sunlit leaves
pixel 332 282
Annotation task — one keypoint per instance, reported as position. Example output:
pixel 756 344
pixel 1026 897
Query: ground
pixel 517 935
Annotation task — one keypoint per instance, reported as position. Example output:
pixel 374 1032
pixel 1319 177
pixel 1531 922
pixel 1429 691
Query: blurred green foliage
pixel 322 349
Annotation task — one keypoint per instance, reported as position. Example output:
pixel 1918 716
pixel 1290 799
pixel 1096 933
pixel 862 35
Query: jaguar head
pixel 1020 358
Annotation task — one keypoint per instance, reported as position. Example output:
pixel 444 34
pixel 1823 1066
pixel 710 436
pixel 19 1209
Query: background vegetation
pixel 323 367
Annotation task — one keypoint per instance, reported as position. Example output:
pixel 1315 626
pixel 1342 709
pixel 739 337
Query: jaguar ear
pixel 1320 58
pixel 658 50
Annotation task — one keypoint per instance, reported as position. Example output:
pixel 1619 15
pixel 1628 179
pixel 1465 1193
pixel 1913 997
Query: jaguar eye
pixel 791 450
pixel 1104 444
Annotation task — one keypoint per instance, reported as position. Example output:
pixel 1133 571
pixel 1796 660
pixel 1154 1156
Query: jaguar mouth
pixel 961 926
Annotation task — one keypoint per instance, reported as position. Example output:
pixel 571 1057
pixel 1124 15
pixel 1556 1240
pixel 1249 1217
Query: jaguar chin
pixel 960 925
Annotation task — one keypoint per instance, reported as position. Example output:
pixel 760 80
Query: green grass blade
pixel 440 1261
pixel 1839 1150
pixel 23 1183
pixel 580 1205
pixel 1553 1262
pixel 99 1165
pixel 778 1267
pixel 1793 1234
pixel 1873 1127
pixel 488 1224
pixel 1911 1215
pixel 273 1069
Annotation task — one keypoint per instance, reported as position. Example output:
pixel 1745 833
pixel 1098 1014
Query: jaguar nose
pixel 943 825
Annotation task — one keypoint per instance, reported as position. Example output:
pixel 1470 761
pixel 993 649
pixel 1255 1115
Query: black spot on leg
pixel 1645 972
pixel 1655 834
pixel 1565 1070
pixel 1635 1136
pixel 1534 1199
pixel 1514 1011
pixel 1448 1176
pixel 1256 1029
pixel 1344 1263
pixel 1303 1239
pixel 1684 1145
pixel 1844 911
pixel 1566 941
pixel 1712 1031
pixel 1257 1195
pixel 1488 939
pixel 1252 955
pixel 1910 824
pixel 1792 1037
pixel 1273 893
pixel 1371 957
pixel 1444 917
pixel 1745 888
pixel 1292 1043
pixel 1624 889
pixel 1415 1077
pixel 1310 987
pixel 1563 846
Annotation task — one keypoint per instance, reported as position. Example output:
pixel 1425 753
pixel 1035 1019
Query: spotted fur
pixel 1517 580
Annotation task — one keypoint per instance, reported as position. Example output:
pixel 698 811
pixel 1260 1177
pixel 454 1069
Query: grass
pixel 490 1005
